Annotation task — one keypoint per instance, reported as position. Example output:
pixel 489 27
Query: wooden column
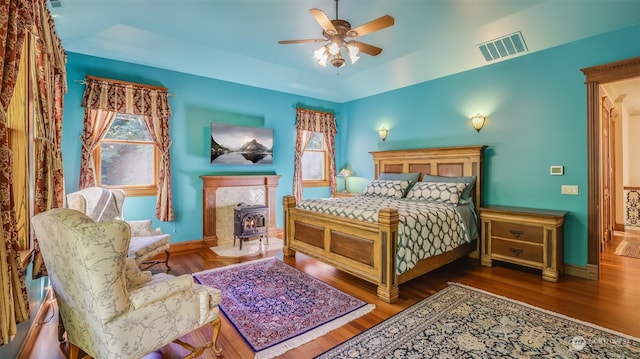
pixel 210 185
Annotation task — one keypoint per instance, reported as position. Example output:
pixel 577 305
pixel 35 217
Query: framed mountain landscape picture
pixel 241 145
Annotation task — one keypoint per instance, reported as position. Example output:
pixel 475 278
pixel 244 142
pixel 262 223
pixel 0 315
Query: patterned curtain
pixel 310 120
pixel 96 124
pixel 48 63
pixel 104 95
pixel 16 18
pixel 159 129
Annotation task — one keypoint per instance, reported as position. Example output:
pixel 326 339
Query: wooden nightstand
pixel 344 194
pixel 524 236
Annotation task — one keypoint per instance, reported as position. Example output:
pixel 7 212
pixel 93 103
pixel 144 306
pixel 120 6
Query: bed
pixel 369 249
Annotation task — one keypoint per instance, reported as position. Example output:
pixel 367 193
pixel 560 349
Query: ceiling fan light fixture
pixel 321 56
pixel 338 61
pixel 334 48
pixel 353 51
pixel 335 33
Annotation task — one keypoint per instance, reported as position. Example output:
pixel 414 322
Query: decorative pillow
pixel 465 197
pixel 443 192
pixel 387 188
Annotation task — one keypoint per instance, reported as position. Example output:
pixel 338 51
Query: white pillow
pixel 442 192
pixel 387 188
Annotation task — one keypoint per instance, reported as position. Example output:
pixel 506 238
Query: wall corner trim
pixel 590 271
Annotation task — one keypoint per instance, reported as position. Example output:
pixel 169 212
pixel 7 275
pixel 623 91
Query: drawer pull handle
pixel 515 232
pixel 515 251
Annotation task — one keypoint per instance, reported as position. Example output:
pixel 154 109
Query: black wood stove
pixel 250 221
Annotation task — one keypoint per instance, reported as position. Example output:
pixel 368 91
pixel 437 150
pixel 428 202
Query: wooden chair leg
pixel 197 351
pixel 74 351
pixel 216 325
pixel 150 263
pixel 166 260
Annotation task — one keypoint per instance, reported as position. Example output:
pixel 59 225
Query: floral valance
pixel 124 97
pixel 310 120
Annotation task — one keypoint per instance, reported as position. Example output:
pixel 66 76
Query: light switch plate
pixel 569 189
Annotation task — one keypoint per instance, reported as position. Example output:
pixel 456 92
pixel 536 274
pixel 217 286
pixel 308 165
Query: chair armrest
pixel 142 228
pixel 161 286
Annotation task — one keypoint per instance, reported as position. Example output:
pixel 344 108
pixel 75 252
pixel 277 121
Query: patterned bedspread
pixel 426 228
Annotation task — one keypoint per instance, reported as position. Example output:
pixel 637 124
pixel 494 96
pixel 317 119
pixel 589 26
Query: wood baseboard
pixel 189 246
pixel 34 330
pixel 589 271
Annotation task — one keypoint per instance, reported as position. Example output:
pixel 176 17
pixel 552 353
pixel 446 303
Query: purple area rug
pixel 276 307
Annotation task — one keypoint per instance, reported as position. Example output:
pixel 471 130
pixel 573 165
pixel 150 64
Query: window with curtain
pixel 127 158
pixel 113 108
pixel 315 161
pixel 314 130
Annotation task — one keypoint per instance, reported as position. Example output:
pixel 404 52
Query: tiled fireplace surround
pixel 221 194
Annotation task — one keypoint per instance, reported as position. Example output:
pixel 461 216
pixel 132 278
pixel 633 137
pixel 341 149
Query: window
pixel 127 158
pixel 315 161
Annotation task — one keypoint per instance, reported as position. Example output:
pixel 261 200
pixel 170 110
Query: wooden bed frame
pixel 366 249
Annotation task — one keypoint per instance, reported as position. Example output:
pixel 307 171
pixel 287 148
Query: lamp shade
pixel 345 172
pixel 477 121
pixel 383 132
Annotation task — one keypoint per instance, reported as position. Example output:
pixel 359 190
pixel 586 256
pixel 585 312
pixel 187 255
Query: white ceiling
pixel 237 40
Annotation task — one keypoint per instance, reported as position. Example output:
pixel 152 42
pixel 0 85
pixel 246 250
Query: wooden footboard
pixel 364 249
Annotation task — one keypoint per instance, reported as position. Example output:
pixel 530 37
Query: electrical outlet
pixel 569 189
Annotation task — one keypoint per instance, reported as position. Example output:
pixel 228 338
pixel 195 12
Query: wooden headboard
pixel 444 161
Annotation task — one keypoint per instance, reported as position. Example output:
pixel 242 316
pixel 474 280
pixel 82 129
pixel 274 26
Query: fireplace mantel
pixel 210 187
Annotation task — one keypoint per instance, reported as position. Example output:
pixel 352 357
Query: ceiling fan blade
pixel 373 25
pixel 324 21
pixel 303 41
pixel 366 48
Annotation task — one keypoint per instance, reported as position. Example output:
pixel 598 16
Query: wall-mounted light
pixel 477 121
pixel 383 132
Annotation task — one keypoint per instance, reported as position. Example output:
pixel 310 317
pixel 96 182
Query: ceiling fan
pixel 339 34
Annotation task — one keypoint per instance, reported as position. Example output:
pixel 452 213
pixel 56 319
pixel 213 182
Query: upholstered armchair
pixel 103 204
pixel 112 309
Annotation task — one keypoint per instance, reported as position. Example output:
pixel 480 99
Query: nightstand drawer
pixel 516 249
pixel 518 231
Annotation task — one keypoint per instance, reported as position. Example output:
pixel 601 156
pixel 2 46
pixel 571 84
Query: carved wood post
pixel 288 202
pixel 388 241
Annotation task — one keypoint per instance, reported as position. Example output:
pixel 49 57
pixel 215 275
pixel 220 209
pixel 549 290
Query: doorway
pixel 599 220
pixel 620 112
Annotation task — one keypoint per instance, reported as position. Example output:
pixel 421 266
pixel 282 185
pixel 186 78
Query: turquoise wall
pixel 195 103
pixel 536 117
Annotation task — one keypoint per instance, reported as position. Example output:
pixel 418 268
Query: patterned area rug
pixel 276 307
pixel 464 322
pixel 628 248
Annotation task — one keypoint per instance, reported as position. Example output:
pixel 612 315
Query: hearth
pixel 250 221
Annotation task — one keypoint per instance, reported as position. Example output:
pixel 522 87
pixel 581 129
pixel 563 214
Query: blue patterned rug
pixel 276 307
pixel 464 322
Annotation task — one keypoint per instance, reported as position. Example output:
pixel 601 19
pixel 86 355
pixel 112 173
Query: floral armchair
pixel 110 308
pixel 103 204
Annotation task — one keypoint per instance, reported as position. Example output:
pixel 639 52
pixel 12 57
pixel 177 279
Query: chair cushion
pixel 148 246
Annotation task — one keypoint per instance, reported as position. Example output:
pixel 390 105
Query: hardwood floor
pixel 612 302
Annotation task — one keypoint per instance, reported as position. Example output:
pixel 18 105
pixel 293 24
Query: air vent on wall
pixel 55 3
pixel 508 45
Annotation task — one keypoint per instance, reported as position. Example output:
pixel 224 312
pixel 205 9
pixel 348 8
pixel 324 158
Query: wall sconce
pixel 345 172
pixel 383 133
pixel 477 121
